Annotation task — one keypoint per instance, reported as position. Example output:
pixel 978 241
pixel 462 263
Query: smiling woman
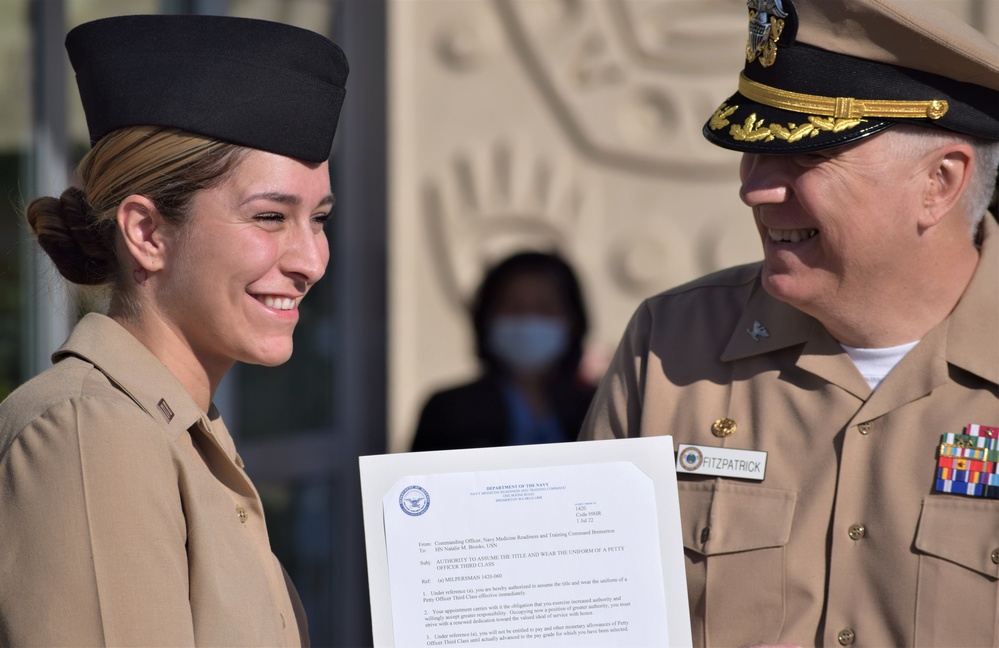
pixel 125 514
pixel 225 285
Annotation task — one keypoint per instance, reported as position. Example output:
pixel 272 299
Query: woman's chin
pixel 271 357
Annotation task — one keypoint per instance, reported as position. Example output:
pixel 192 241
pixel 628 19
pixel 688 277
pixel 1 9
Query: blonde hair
pixel 78 230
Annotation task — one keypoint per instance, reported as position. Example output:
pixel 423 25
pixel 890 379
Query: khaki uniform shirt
pixel 845 539
pixel 125 515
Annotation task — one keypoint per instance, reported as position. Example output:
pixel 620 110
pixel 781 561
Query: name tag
pixel 721 462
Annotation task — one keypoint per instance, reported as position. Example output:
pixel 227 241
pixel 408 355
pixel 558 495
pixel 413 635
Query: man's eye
pixel 812 159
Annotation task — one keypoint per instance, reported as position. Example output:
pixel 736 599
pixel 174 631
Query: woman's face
pixel 531 293
pixel 250 250
pixel 529 323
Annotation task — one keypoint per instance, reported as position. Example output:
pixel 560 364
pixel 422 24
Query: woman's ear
pixel 948 178
pixel 142 228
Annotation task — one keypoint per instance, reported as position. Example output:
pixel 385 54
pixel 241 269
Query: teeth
pixel 791 236
pixel 280 303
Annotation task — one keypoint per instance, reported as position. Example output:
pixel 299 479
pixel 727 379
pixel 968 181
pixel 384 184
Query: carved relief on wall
pixel 493 200
pixel 633 79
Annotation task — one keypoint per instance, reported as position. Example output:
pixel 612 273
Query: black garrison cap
pixel 821 73
pixel 255 83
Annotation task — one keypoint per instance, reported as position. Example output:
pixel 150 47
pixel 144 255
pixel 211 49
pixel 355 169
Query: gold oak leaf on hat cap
pixel 822 73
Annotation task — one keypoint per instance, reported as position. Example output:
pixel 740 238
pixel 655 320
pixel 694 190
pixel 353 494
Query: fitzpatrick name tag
pixel 721 462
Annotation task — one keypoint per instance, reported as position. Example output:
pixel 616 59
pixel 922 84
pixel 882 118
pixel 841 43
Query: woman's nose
pixel 307 254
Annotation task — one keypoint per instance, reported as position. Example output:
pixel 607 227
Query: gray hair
pixel 910 140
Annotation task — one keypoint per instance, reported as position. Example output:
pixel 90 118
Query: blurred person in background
pixel 530 320
pixel 125 515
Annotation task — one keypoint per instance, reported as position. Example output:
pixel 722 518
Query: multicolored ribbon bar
pixel 968 463
pixel 970 441
pixel 982 454
pixel 974 465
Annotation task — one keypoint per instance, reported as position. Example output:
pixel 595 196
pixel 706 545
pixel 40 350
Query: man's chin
pixel 783 287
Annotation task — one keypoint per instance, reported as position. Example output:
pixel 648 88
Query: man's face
pixel 836 224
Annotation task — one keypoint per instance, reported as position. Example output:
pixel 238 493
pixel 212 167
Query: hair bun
pixel 82 253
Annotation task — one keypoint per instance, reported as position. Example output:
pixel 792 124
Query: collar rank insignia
pixel 165 410
pixel 766 22
pixel 758 331
pixel 968 464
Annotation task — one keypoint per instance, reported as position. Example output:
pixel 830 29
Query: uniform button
pixel 724 427
pixel 846 637
pixel 241 514
pixel 995 556
pixel 865 427
pixel 706 533
pixel 857 531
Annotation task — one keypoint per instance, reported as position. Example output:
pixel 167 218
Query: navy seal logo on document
pixel 691 459
pixel 414 500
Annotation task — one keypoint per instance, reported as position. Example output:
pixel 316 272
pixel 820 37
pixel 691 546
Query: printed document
pixel 571 544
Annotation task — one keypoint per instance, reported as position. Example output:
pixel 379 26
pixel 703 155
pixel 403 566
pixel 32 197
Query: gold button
pixel 723 428
pixel 995 556
pixel 846 637
pixel 857 531
pixel 241 514
pixel 865 427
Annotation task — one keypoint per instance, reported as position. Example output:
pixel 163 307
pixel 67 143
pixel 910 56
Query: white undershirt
pixel 875 364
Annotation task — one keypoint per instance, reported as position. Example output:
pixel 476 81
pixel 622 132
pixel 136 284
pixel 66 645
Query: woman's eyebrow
pixel 287 199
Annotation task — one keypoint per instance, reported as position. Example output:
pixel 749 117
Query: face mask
pixel 528 343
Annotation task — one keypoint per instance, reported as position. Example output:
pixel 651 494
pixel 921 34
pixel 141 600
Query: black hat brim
pixel 743 125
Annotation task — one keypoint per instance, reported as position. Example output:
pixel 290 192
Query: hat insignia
pixel 766 22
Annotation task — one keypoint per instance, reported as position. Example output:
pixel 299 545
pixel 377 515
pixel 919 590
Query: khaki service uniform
pixel 844 540
pixel 125 514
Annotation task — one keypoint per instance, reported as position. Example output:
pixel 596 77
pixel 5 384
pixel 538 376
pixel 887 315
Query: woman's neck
pixel 164 342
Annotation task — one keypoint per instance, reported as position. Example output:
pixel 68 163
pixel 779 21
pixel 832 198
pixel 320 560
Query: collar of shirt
pixel 970 328
pixel 130 366
pixel 971 335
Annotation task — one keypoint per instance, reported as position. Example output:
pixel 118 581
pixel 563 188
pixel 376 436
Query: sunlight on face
pixel 831 222
pixel 252 248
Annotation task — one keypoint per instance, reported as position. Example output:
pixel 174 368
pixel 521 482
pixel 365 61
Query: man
pixel 836 406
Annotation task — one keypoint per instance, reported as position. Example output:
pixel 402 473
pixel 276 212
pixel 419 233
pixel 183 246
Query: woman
pixel 529 321
pixel 125 515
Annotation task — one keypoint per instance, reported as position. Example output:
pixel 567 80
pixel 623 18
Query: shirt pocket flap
pixel 965 533
pixel 720 517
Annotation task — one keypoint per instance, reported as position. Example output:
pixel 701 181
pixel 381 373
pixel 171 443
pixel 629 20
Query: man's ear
pixel 948 177
pixel 142 228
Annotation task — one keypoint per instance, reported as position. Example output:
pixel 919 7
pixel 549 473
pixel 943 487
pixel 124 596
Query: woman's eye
pixel 269 217
pixel 321 219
